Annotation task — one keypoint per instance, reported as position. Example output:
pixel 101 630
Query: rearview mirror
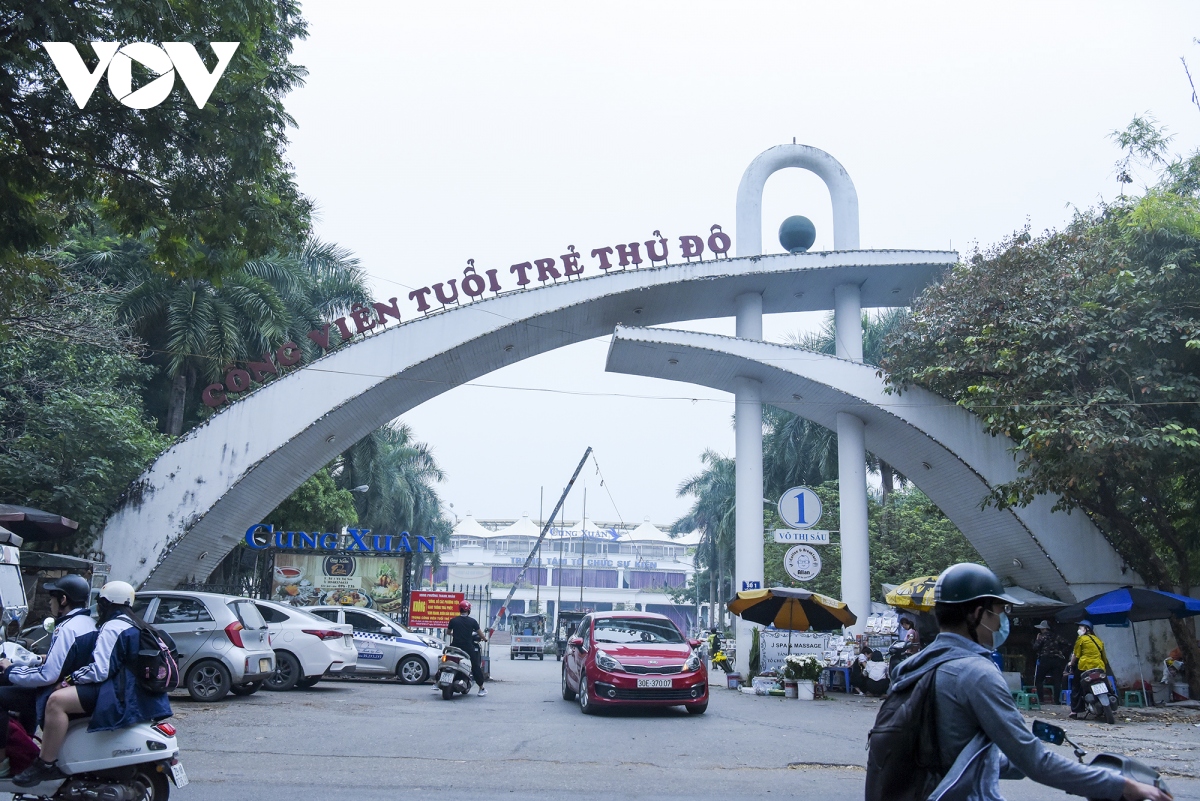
pixel 694 643
pixel 1049 733
pixel 575 642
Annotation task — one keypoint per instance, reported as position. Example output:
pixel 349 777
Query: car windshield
pixel 630 630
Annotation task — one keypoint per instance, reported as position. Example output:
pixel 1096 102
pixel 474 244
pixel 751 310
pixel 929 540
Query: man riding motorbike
pixel 69 597
pixel 465 634
pixel 106 688
pixel 981 736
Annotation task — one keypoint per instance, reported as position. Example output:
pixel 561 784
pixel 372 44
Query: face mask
pixel 1082 631
pixel 1001 634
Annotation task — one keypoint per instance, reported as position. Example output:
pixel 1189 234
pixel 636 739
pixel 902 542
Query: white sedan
pixel 306 646
pixel 385 648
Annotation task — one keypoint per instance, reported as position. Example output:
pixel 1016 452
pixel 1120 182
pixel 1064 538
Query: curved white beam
pixel 943 449
pixel 193 504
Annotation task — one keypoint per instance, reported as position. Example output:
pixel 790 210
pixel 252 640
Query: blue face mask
pixel 1001 634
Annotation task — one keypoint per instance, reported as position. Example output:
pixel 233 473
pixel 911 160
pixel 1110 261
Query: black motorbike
pixel 1127 767
pixel 1098 696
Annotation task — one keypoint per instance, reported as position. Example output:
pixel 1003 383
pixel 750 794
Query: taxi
pixel 385 648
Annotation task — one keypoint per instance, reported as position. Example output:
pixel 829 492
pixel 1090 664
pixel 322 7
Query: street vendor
pixel 1051 652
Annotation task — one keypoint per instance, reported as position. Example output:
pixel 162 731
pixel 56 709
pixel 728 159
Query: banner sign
pixel 773 646
pixel 312 579
pixel 802 563
pixel 790 536
pixel 433 610
pixel 263 535
pixel 800 507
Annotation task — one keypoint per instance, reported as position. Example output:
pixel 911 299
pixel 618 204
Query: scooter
pixel 1099 696
pixel 131 764
pixel 1127 767
pixel 454 672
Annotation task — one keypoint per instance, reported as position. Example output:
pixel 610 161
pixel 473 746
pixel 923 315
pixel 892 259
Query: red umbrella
pixel 34 524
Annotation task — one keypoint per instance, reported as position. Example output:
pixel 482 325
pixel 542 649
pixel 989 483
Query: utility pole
pixel 582 546
pixel 538 575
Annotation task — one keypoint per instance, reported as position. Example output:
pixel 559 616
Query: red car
pixel 633 659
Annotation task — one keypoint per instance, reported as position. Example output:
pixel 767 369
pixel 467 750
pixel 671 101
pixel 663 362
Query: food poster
pixel 309 579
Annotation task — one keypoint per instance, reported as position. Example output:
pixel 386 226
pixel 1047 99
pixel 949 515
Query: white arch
pixel 193 504
pixel 941 447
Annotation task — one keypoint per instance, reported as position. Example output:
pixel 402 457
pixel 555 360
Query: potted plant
pixel 804 671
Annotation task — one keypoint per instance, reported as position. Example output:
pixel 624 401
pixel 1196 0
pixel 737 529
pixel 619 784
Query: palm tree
pixel 713 515
pixel 400 474
pixel 196 327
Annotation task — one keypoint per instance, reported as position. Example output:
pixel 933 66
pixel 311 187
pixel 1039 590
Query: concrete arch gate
pixel 193 504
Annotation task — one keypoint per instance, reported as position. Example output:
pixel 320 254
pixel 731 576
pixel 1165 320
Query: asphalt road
pixel 382 740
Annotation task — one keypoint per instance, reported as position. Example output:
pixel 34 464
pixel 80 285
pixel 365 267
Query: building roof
pixel 522 528
pixel 469 527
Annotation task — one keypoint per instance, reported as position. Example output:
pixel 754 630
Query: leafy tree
pixel 712 514
pixel 207 187
pixel 1083 346
pixel 316 505
pixel 73 433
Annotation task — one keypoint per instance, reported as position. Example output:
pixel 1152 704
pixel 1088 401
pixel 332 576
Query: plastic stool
pixel 1135 698
pixel 1027 701
pixel 1064 698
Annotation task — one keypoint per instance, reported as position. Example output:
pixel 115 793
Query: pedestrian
pixel 1051 653
pixel 975 733
pixel 869 673
pixel 1088 654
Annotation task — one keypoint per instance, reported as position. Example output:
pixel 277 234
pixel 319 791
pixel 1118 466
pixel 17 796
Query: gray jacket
pixel 981 734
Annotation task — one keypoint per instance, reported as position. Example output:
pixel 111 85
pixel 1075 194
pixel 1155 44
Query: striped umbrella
pixel 916 594
pixel 792 609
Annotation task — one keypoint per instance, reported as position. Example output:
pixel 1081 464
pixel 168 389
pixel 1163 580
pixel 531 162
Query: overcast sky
pixel 435 133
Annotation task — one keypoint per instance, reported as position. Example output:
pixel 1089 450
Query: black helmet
pixel 967 581
pixel 76 588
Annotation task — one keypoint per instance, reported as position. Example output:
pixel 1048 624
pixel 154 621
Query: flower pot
pixel 789 688
pixel 804 690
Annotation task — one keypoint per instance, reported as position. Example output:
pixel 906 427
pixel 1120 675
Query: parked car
pixel 633 659
pixel 385 648
pixel 306 646
pixel 222 640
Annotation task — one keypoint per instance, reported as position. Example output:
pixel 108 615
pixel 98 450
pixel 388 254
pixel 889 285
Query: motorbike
pixel 1098 698
pixel 1127 767
pixel 454 672
pixel 131 764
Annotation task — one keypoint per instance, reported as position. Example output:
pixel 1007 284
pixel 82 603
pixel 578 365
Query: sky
pixel 430 134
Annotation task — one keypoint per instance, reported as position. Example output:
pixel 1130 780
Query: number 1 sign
pixel 800 507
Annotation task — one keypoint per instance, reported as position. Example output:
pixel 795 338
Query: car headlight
pixel 693 662
pixel 606 662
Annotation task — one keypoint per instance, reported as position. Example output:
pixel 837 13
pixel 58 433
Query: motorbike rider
pixel 105 689
pixel 1088 654
pixel 981 736
pixel 465 634
pixel 69 596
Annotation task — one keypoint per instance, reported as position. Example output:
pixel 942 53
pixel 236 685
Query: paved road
pixel 374 740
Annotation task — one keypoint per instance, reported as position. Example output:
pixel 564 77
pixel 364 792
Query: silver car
pixel 223 641
pixel 385 648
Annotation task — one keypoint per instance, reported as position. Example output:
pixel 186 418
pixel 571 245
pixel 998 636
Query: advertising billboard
pixel 340 579
pixel 433 609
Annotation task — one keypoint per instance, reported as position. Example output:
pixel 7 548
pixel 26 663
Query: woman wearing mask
pixel 1087 655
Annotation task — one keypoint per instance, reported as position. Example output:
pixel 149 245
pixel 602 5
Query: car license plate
pixel 1100 689
pixel 264 665
pixel 661 683
pixel 181 779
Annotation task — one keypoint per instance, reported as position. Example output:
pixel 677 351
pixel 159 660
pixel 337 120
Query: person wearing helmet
pixel 980 734
pixel 465 634
pixel 83 691
pixel 69 597
pixel 1088 654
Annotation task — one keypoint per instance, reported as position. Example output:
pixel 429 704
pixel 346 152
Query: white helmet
pixel 118 592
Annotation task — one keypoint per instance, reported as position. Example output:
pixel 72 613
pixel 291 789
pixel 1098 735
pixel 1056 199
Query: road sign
pixel 751 585
pixel 810 536
pixel 802 563
pixel 800 507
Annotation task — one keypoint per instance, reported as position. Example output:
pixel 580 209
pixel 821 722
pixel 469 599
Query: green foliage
pixel 202 185
pixel 754 660
pixel 316 505
pixel 74 434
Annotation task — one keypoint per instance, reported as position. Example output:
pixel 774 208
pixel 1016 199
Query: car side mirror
pixel 694 643
pixel 1049 733
pixel 575 642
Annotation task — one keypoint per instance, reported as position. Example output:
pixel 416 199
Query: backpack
pixel 904 759
pixel 155 668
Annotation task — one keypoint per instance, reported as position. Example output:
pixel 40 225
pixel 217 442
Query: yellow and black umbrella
pixel 916 594
pixel 792 609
